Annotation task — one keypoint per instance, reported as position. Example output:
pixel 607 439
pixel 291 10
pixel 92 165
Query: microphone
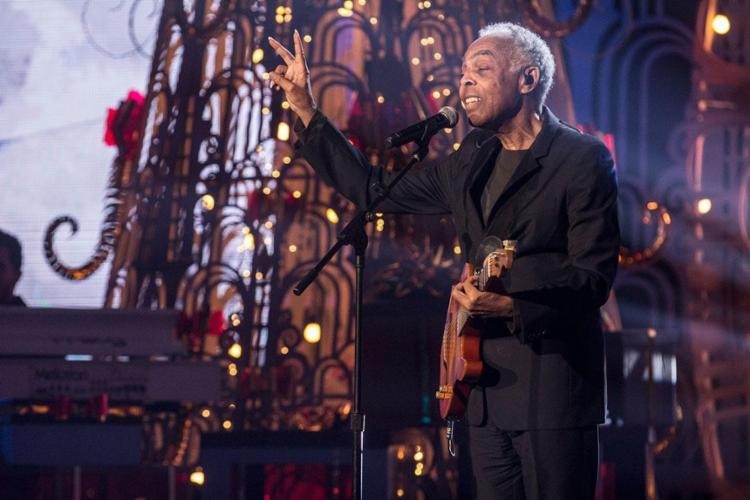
pixel 445 118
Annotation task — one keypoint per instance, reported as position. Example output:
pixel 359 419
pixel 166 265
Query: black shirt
pixel 506 163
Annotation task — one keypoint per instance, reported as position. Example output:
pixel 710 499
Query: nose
pixel 466 80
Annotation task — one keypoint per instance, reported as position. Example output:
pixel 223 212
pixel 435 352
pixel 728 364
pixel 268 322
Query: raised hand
pixel 293 77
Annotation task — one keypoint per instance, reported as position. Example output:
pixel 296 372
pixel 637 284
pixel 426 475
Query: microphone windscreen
pixel 451 114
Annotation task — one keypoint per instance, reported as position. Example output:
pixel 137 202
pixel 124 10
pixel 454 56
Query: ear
pixel 528 79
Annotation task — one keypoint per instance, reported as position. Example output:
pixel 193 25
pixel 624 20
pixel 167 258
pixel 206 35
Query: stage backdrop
pixel 64 63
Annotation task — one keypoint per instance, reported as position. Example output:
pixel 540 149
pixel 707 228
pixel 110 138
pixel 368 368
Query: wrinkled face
pixel 8 275
pixel 489 88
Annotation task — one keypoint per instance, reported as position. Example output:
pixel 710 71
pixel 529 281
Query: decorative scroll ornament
pixel 653 212
pixel 539 22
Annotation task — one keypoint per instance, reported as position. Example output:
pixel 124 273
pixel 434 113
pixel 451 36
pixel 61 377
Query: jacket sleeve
pixel 583 282
pixel 343 167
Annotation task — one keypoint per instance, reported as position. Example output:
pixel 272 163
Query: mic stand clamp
pixel 354 234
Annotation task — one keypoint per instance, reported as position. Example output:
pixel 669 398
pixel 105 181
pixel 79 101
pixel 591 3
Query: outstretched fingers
pixel 281 51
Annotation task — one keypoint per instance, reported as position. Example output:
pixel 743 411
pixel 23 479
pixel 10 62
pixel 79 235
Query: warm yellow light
pixel 345 12
pixel 415 61
pixel 373 21
pixel 307 38
pixel 666 218
pixel 268 224
pixel 282 133
pixel 362 2
pixel 235 350
pixel 292 248
pixel 312 332
pixel 266 190
pixel 456 145
pixel 400 492
pixel 720 24
pixel 280 9
pixel 284 350
pixel 248 242
pixel 227 424
pixel 287 160
pixel 401 453
pixel 246 273
pixel 279 19
pixel 438 56
pixel 208 202
pixel 265 110
pixel 436 94
pixel 297 194
pixel 285 105
pixel 348 4
pixel 275 174
pixel 381 99
pixel 332 216
pixel 652 205
pixel 427 4
pixel 419 456
pixel 232 369
pixel 259 275
pixel 206 413
pixel 198 477
pixel 703 206
pixel 457 250
pixel 257 55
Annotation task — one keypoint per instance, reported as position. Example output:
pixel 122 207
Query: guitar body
pixel 460 362
pixel 460 355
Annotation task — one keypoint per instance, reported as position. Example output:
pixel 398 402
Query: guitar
pixel 460 361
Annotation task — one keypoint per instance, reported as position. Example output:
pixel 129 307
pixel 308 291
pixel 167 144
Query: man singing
pixel 522 175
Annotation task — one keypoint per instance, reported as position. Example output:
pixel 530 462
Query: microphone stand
pixel 354 234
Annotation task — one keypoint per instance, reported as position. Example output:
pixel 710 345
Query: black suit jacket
pixel 546 369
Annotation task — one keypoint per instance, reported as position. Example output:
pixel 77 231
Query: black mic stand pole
pixel 354 234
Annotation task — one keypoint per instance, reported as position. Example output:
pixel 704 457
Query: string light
pixel 198 477
pixel 258 55
pixel 208 202
pixel 235 350
pixel 312 332
pixel 292 248
pixel 721 24
pixel 206 413
pixel 226 424
pixel 457 250
pixel 703 206
pixel 282 133
pixel 332 216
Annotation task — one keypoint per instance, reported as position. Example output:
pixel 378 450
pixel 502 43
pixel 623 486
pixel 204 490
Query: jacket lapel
pixel 483 161
pixel 531 162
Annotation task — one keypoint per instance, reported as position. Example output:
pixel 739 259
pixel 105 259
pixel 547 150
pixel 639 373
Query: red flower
pixel 123 127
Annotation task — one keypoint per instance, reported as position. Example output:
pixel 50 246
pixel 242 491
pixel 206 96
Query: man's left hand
pixel 482 304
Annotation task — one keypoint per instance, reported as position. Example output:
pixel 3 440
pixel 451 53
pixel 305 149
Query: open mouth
pixel 470 101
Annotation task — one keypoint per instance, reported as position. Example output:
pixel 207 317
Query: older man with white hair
pixel 522 175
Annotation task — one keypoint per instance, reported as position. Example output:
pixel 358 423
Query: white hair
pixel 528 50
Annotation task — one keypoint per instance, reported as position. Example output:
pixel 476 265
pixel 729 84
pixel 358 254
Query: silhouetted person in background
pixel 10 269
